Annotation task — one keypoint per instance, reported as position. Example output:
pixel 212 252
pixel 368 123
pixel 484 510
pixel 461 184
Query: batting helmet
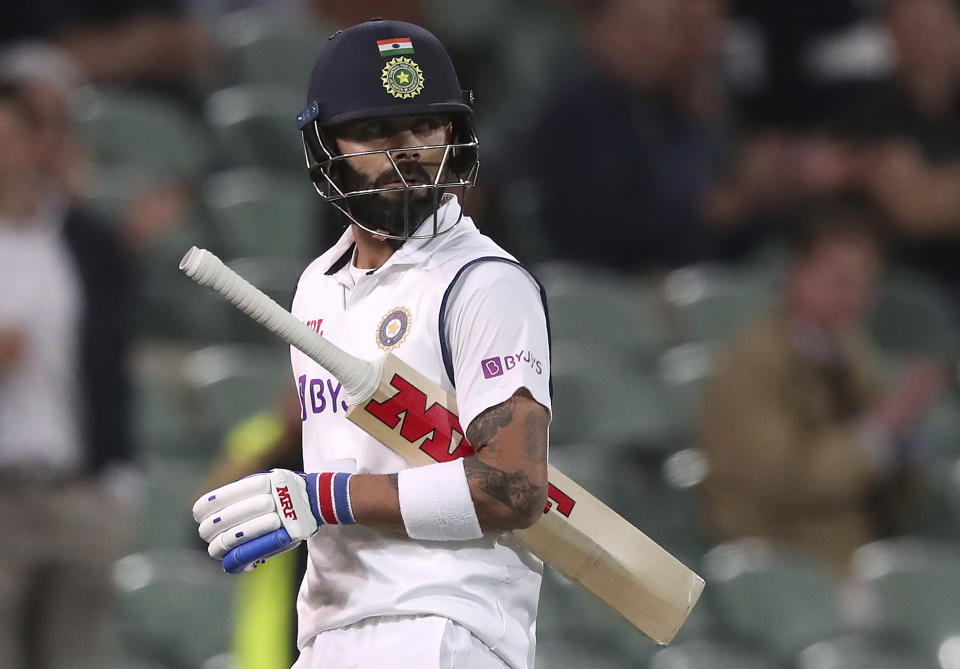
pixel 381 69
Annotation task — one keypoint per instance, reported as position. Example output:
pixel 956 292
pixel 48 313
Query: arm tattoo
pixel 486 425
pixel 503 475
pixel 394 482
pixel 513 489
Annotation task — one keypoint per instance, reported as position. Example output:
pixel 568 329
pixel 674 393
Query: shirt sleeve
pixel 496 330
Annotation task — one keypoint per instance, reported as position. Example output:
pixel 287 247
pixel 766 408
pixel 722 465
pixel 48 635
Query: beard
pixel 400 215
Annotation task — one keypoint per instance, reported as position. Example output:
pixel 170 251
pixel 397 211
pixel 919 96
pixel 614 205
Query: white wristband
pixel 435 503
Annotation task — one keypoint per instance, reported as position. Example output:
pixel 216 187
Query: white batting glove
pixel 264 503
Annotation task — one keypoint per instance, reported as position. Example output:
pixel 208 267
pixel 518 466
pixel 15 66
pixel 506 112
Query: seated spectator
pixel 805 445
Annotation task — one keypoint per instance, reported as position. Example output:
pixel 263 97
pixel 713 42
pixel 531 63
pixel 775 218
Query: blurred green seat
pixel 254 212
pixel 863 651
pixel 263 46
pixel 597 402
pixel 164 415
pixel 706 654
pixel 255 125
pixel 712 302
pixel 917 584
pixel 174 606
pixel 145 131
pixel 596 313
pixel 777 601
pixel 110 189
pixel 685 372
pixel 231 382
pixel 171 306
pixel 572 626
pixel 171 486
pixel 912 315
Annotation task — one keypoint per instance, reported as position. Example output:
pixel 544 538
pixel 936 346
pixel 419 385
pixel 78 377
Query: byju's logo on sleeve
pixel 499 365
pixel 492 367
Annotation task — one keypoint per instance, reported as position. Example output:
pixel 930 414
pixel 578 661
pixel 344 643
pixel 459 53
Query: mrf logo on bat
pixel 445 440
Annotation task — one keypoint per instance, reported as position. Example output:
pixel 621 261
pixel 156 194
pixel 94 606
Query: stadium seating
pixel 595 401
pixel 255 212
pixel 255 125
pixel 863 651
pixel 917 584
pixel 685 372
pixel 231 382
pixel 604 314
pixel 771 599
pixel 170 488
pixel 262 45
pixel 912 315
pixel 573 626
pixel 163 594
pixel 147 131
pixel 706 654
pixel 711 302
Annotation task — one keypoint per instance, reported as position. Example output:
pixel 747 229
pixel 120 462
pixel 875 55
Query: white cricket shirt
pixel 496 336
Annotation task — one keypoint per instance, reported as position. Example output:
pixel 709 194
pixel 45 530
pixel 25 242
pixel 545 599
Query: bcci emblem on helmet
pixel 393 328
pixel 402 78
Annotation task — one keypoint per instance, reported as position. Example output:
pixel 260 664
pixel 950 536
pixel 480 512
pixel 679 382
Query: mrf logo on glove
pixel 286 503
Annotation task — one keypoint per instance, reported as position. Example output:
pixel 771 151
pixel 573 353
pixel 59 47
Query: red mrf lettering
pixel 286 503
pixel 419 421
pixel 564 502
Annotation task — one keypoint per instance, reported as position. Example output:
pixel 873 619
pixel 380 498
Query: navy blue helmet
pixel 381 69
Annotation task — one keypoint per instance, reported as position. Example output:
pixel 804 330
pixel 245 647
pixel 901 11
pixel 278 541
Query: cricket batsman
pixel 408 566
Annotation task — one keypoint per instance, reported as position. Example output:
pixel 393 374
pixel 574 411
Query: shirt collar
pixel 413 252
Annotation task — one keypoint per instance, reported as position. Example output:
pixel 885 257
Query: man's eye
pixel 425 126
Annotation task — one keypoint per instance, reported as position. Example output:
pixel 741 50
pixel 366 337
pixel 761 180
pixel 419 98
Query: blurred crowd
pixel 764 196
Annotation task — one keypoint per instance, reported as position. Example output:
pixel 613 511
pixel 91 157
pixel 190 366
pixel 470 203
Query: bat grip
pixel 260 548
pixel 360 378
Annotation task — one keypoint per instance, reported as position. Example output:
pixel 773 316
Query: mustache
pixel 410 171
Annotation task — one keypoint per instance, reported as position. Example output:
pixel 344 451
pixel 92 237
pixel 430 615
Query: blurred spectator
pixel 623 151
pixel 793 59
pixel 65 447
pixel 805 446
pixel 906 137
pixel 343 14
pixel 130 41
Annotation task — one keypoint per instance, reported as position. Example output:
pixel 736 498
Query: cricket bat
pixel 577 535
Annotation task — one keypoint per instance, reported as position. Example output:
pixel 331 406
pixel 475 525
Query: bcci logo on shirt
pixel 393 328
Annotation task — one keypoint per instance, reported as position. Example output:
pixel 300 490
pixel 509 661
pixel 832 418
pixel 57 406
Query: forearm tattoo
pixel 509 485
pixel 513 489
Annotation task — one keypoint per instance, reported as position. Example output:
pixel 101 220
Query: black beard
pixel 377 212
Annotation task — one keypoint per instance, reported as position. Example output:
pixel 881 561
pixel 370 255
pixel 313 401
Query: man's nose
pixel 404 146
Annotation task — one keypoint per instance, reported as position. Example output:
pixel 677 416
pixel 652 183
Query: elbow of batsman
pixel 522 510
pixel 531 513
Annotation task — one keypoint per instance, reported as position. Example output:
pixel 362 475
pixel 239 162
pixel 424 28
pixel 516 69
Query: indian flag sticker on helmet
pixel 402 78
pixel 397 46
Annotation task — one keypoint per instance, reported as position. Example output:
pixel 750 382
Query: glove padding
pixel 254 506
pixel 270 513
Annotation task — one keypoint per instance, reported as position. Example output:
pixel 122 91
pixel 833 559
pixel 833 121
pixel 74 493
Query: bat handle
pixel 260 548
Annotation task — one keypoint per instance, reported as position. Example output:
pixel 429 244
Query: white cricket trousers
pixel 398 642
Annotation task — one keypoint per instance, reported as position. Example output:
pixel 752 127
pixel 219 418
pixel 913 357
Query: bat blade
pixel 578 535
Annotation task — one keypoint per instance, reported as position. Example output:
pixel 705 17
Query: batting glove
pixel 264 514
